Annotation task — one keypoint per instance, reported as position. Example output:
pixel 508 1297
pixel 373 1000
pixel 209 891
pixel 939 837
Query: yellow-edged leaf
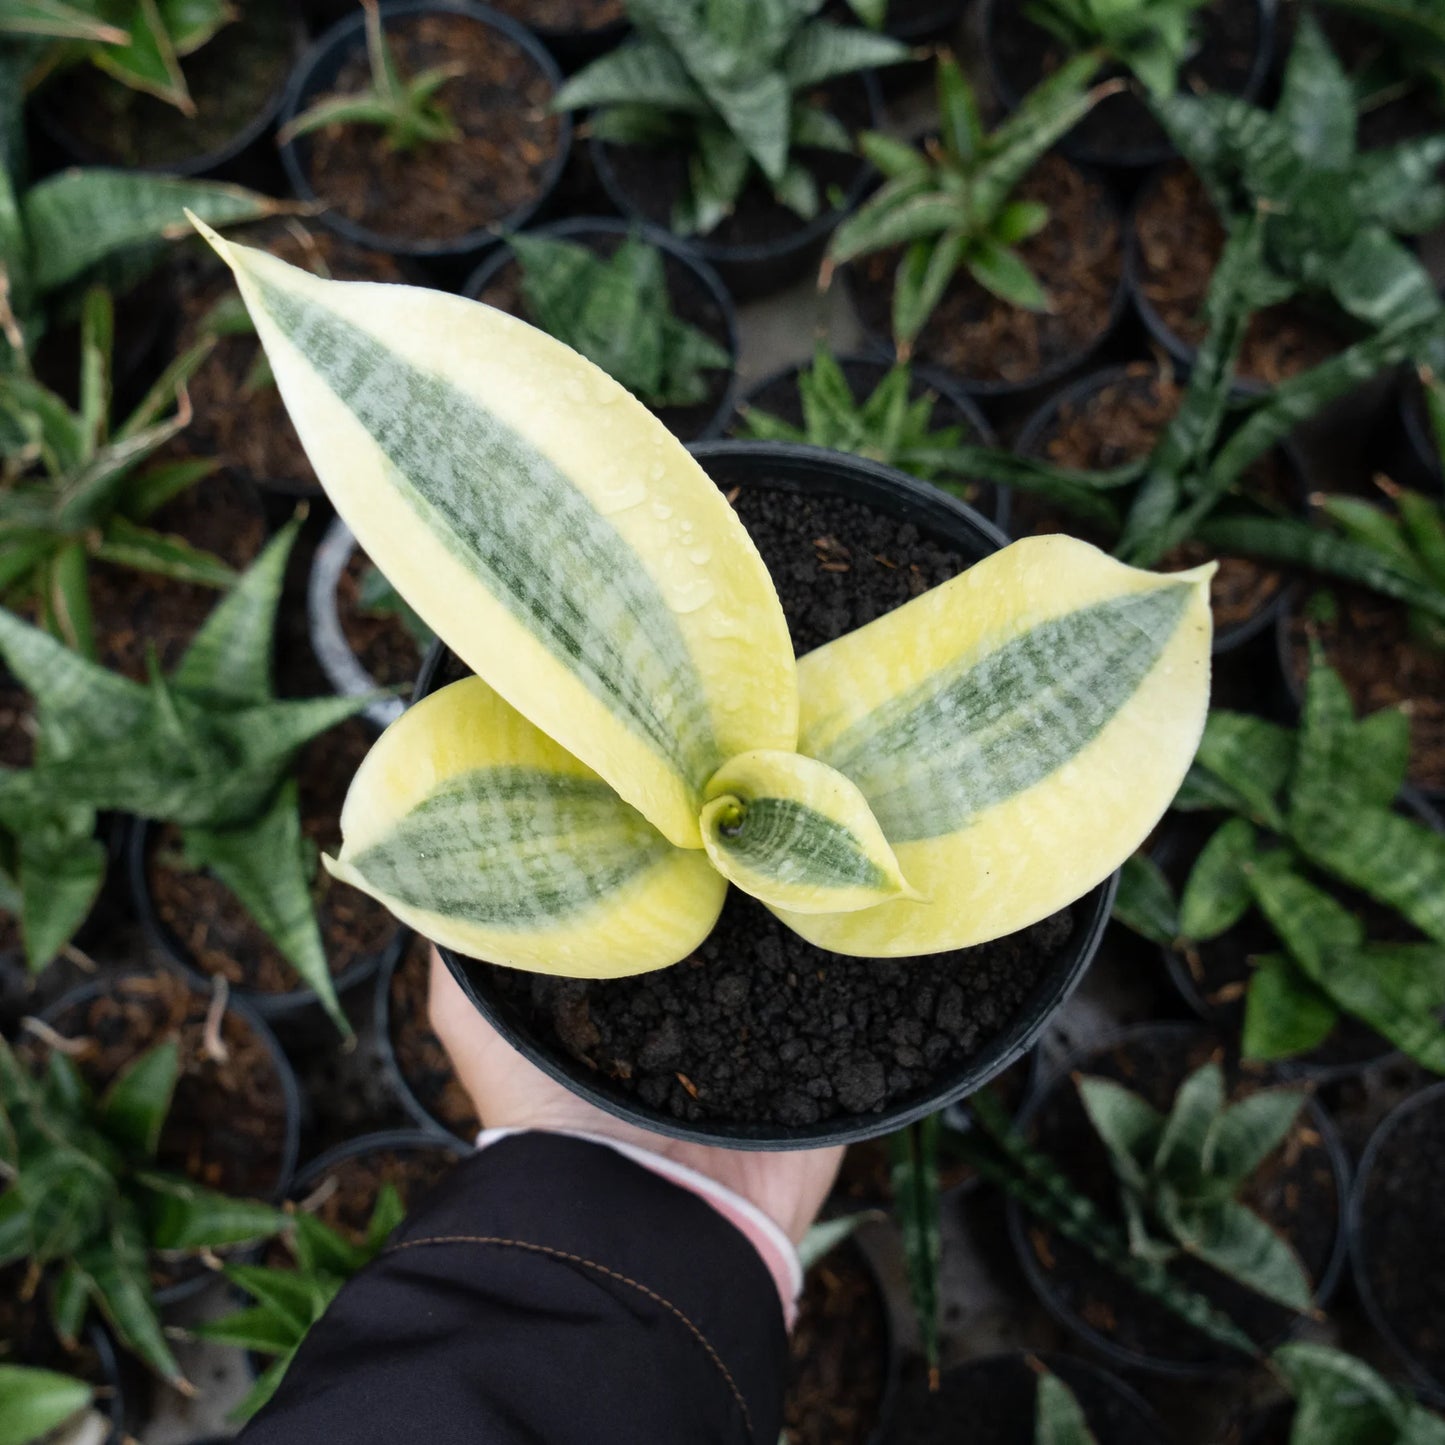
pixel 798 835
pixel 486 836
pixel 1017 732
pixel 541 522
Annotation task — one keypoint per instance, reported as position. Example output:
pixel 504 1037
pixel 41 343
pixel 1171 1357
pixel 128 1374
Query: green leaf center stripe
pixel 484 848
pixel 786 840
pixel 509 514
pixel 982 731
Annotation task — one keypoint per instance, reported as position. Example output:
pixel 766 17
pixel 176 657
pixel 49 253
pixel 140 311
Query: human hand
pixel 509 1092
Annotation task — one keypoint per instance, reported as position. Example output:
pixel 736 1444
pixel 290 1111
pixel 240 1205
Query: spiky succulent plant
pixel 951 203
pixel 1180 1175
pixel 37 1406
pixel 86 1202
pixel 639 733
pixel 1152 38
pixel 1309 811
pixel 208 748
pixel 1340 1400
pixel 731 84
pixel 617 312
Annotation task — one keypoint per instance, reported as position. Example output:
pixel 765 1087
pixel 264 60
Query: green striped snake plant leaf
pixel 1341 1400
pixel 638 732
pixel 1310 811
pixel 1059 1419
pixel 43 1405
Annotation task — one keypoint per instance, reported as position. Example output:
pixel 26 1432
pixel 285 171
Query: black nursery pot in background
pixel 1233 58
pixel 697 295
pixel 826 1067
pixel 443 202
pixel 778 395
pixel 575 31
pixel 410 1160
pixel 1395 1238
pixel 1302 1192
pixel 762 246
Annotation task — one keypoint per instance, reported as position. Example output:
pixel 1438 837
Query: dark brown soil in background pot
pixel 837 1354
pixel 420 1058
pixel 217 933
pixel 1178 241
pixel 691 301
pixel 983 341
pixel 759 1026
pixel 137 610
pixel 992 1401
pixel 248 429
pixel 1120 421
pixel 444 190
pixel 1296 1190
pixel 1368 642
pixel 380 641
pixel 1399 1248
pixel 562 16
pixel 1120 128
pixel 235 81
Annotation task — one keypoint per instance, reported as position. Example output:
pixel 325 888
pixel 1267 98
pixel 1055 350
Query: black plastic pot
pixel 572 49
pixel 1413 447
pixel 928 27
pixel 681 421
pixel 882 344
pixel 1004 1387
pixel 1119 1356
pixel 298 1009
pixel 246 156
pixel 316 73
pixel 1030 443
pixel 1153 149
pixel 810 470
pixel 396 1141
pixel 780 390
pixel 1421 798
pixel 1433 1099
pixel 291 1142
pixel 753 271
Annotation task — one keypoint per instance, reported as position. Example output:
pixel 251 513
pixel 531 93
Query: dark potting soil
pixel 838 1354
pixel 993 1402
pixel 420 1058
pixel 757 1025
pixel 781 398
pixel 1402 1251
pixel 562 17
pixel 653 178
pixel 137 610
pixel 445 189
pixel 346 1196
pixel 1179 242
pixel 1294 1191
pixel 972 334
pixel 1120 422
pixel 232 79
pixel 1368 641
pixel 244 426
pixel 691 301
pixel 379 641
pixel 213 927
pixel 1229 38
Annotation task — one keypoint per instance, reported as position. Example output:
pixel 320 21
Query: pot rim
pixel 397 1140
pixel 1120 1355
pixel 343 34
pixel 816 470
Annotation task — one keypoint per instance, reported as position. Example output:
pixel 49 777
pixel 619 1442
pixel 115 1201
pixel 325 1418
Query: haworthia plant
pixel 635 674
pixel 1059 1419
pixel 405 108
pixel 139 42
pixel 286 1302
pixel 79 486
pixel 1152 37
pixel 208 748
pixel 37 1406
pixel 888 425
pixel 86 1202
pixel 732 85
pixel 1340 1400
pixel 618 313
pixel 1180 1175
pixel 951 203
pixel 1309 811
pixel 1333 215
